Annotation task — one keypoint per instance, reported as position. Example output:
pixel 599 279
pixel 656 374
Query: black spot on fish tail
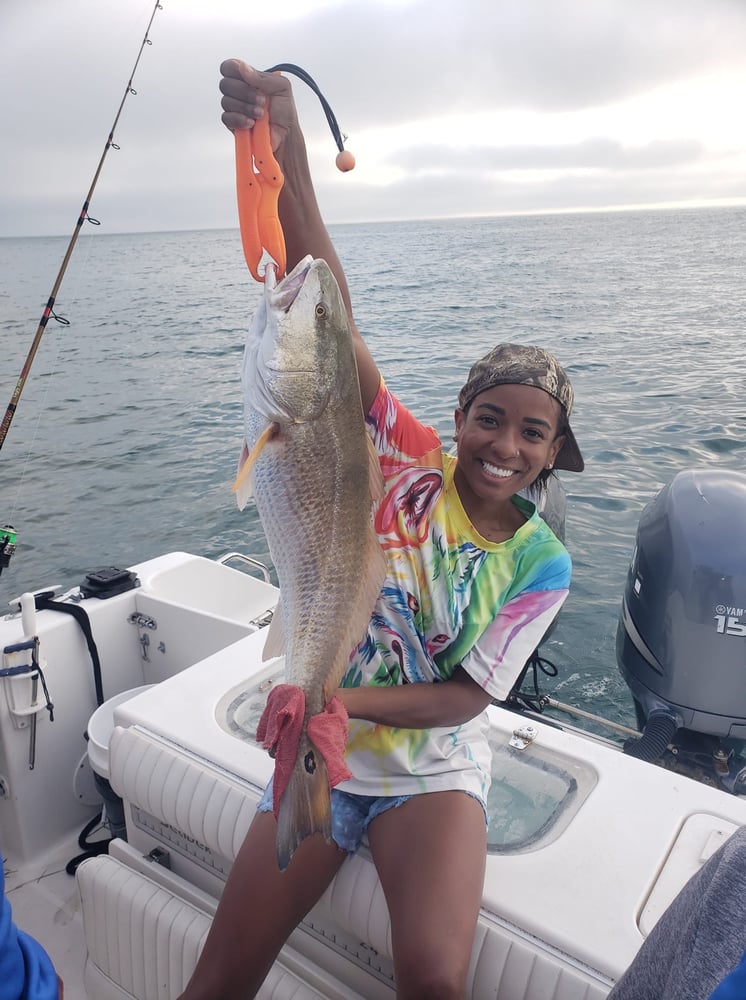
pixel 305 806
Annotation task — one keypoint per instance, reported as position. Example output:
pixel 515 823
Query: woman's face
pixel 507 436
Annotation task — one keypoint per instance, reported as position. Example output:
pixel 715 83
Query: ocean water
pixel 126 437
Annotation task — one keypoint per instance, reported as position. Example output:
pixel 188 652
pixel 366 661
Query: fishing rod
pixel 49 308
pixel 7 532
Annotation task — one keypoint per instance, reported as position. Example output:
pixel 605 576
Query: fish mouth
pixel 281 296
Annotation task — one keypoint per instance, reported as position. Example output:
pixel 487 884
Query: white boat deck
pixel 618 851
pixel 588 846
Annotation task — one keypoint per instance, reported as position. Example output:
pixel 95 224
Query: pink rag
pixel 279 732
pixel 328 732
pixel 280 728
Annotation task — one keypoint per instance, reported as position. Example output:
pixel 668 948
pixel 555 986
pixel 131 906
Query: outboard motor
pixel 681 638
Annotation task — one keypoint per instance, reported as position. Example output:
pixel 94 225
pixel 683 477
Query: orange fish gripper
pixel 259 181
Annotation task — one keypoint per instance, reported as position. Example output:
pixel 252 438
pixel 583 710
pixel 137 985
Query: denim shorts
pixel 351 814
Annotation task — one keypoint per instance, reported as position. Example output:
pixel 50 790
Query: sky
pixel 451 107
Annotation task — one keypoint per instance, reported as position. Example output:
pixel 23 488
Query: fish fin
pixel 375 475
pixel 305 806
pixel 242 486
pixel 274 644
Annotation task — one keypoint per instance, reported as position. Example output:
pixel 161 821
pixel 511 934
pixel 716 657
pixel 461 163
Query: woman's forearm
pixel 417 706
pixel 305 233
pixel 302 224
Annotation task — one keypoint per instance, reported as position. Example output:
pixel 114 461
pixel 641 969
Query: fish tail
pixel 305 806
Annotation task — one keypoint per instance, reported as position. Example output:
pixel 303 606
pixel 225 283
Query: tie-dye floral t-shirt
pixel 450 598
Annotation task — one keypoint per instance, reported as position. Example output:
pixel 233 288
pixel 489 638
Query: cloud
pixel 603 97
pixel 436 196
pixel 591 153
pixel 436 57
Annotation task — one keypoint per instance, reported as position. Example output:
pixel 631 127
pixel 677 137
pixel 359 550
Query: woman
pixel 474 579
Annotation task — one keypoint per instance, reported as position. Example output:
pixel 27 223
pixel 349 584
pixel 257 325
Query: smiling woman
pixel 507 437
pixel 473 578
pixel 512 428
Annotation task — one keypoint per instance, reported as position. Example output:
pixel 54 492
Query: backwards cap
pixel 517 364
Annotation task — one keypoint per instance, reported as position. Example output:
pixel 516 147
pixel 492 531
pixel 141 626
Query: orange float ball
pixel 345 161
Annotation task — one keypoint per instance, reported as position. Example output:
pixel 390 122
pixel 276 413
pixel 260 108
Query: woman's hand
pixel 249 93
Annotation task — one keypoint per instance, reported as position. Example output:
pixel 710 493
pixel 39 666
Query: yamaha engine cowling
pixel 681 638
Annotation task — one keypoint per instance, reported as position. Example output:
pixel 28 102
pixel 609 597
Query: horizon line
pixel 518 213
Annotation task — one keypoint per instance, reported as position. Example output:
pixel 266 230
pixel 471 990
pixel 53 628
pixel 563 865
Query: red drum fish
pixel 315 477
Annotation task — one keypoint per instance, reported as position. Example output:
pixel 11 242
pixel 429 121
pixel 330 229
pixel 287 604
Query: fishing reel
pixel 7 545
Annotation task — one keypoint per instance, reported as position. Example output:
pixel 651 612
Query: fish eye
pixel 320 310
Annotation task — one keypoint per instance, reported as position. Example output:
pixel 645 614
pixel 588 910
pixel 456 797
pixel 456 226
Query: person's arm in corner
pixel 26 970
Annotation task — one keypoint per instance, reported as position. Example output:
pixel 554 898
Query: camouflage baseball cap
pixel 518 364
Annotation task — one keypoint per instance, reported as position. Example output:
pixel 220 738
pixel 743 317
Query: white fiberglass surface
pixel 184 710
pixel 533 796
pixel 238 712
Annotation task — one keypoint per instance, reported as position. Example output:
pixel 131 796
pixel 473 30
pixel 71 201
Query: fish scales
pixel 314 477
pixel 316 524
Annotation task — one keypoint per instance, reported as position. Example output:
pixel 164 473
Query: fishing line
pixel 50 383
pixel 49 312
pixel 7 532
